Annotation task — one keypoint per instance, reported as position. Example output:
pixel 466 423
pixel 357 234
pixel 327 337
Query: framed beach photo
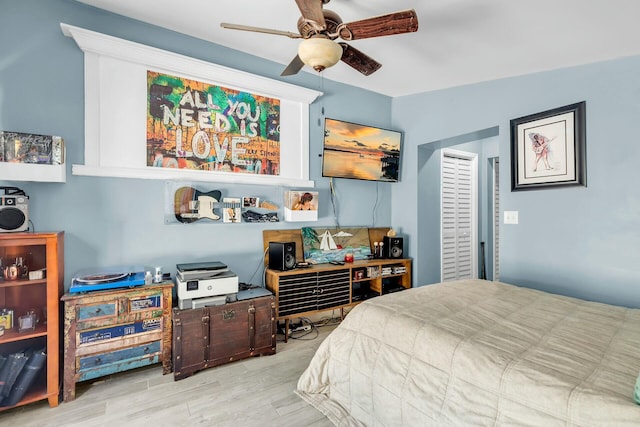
pixel 548 149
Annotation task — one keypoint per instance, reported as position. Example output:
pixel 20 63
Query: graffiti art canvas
pixel 201 126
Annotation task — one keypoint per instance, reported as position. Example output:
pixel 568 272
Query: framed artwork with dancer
pixel 548 149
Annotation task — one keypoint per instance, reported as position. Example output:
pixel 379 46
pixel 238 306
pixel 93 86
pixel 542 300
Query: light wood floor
pixel 251 392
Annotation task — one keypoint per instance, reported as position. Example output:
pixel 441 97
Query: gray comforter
pixel 475 352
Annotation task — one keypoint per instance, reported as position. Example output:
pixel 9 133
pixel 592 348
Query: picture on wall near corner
pixel 323 245
pixel 548 149
pixel 201 126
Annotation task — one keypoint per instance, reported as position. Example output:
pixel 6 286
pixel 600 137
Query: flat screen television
pixel 358 151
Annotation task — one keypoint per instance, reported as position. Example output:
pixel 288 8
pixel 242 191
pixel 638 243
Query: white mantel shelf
pixel 115 131
pixel 149 172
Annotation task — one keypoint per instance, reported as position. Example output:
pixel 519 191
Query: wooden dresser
pixel 115 330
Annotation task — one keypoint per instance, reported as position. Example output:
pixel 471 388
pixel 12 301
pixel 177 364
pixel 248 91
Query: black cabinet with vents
pixel 304 291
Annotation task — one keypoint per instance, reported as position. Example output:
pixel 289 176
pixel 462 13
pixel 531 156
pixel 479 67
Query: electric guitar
pixel 191 204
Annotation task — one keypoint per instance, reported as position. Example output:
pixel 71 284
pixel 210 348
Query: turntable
pixel 98 279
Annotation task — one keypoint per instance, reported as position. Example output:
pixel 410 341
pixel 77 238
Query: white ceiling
pixel 458 41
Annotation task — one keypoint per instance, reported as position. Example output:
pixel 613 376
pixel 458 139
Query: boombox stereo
pixel 282 256
pixel 14 210
pixel 392 247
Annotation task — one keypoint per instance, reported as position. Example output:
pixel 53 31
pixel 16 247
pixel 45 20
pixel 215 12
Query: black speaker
pixel 14 213
pixel 282 255
pixel 392 247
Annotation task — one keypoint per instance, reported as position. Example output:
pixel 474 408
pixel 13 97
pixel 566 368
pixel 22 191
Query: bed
pixel 476 352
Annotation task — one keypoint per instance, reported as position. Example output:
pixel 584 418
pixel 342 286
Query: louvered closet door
pixel 458 219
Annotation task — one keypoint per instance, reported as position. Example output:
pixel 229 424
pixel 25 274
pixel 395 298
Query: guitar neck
pixel 231 205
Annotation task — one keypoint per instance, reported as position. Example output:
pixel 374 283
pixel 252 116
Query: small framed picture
pixel 548 149
pixel 27 322
pixel 301 205
pixel 250 202
pixel 232 209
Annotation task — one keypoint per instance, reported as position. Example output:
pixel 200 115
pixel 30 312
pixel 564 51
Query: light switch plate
pixel 510 217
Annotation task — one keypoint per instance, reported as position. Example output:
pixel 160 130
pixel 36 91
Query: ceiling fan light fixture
pixel 319 52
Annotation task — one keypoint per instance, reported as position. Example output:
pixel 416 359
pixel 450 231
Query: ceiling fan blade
pixel 311 11
pixel 260 30
pixel 294 66
pixel 405 21
pixel 358 60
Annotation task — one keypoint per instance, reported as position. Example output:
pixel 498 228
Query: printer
pixel 205 284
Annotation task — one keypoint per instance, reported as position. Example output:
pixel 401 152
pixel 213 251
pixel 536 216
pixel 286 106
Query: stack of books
pixel 399 269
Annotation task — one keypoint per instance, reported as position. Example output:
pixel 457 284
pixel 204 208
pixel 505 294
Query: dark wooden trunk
pixel 210 336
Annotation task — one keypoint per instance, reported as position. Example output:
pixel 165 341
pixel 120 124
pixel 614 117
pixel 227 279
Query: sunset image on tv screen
pixel 360 152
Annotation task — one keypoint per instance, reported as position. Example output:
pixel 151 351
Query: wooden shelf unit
pixel 304 291
pixel 39 250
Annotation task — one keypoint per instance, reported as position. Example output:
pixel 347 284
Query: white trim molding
pixel 115 131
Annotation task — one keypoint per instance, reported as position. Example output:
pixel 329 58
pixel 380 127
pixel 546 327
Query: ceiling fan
pixel 318 27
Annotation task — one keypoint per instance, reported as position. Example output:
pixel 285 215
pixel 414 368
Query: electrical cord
pixel 302 334
pixel 375 205
pixel 333 320
pixel 315 327
pixel 334 201
pixel 260 265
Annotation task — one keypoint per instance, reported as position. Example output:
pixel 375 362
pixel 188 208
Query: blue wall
pixel 112 221
pixel 578 241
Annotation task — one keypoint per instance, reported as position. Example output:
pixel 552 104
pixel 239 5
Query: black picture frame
pixel 548 149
